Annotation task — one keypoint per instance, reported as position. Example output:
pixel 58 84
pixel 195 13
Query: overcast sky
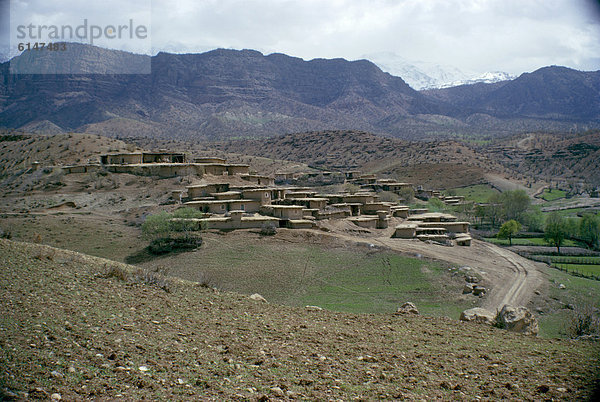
pixel 474 35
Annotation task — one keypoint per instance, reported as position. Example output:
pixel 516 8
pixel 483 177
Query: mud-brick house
pixel 298 193
pixel 162 157
pixel 237 169
pixel 141 157
pixel 284 212
pixel 352 174
pixel 362 198
pixel 406 231
pixel 264 195
pixel 259 179
pixel 374 207
pixel 210 159
pixel 205 190
pixel 310 203
pixel 224 206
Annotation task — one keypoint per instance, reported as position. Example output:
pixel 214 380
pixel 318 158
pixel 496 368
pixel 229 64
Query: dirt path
pixel 510 278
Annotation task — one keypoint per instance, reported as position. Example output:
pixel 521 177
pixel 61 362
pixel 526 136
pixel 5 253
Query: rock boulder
pixel 518 319
pixel 407 308
pixel 258 298
pixel 478 315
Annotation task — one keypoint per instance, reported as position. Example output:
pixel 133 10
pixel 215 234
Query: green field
pixel 580 292
pixel 353 279
pixel 584 269
pixel 533 241
pixel 552 195
pixel 559 259
pixel 476 193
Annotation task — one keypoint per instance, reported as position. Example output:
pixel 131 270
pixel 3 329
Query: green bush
pixel 534 219
pixel 436 205
pixel 165 245
pixel 388 196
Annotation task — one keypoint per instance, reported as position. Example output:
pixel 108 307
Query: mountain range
pixel 228 93
pixel 426 75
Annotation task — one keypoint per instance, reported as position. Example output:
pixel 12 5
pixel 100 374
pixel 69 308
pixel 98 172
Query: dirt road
pixel 510 278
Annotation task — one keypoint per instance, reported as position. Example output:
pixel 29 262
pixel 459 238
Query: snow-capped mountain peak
pixel 426 75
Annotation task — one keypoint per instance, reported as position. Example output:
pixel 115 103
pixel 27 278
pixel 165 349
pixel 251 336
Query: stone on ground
pixel 518 319
pixel 258 297
pixel 408 308
pixel 478 315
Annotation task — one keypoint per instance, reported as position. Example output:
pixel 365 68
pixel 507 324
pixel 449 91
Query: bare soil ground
pixel 75 327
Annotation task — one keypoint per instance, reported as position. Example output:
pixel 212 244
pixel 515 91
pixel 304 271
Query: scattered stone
pixel 465 269
pixel 542 389
pixel 467 289
pixel 277 391
pixel 561 389
pixel 71 369
pixel 313 308
pixel 56 374
pixel 55 397
pixel 180 381
pixel 561 286
pixel 471 279
pixel 368 359
pixel 38 393
pixel 518 319
pixel 144 369
pixel 537 292
pixel 407 308
pixel 479 290
pixel 257 297
pixel 478 315
pixel 445 385
pixel 9 394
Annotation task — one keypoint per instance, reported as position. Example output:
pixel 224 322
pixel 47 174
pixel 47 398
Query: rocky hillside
pixel 571 158
pixel 79 327
pixel 219 93
pixel 227 93
pixel 553 93
pixel 371 153
pixel 19 151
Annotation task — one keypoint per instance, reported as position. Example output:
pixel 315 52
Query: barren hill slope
pixel 551 157
pixel 19 151
pixel 413 160
pixel 85 327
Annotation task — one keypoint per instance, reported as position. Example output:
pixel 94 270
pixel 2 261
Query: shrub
pixel 534 219
pixel 114 271
pixel 268 229
pixel 152 278
pixel 436 205
pixel 388 196
pixel 37 238
pixel 164 245
pixel 584 322
pixel 589 230
pixel 162 225
pixel 351 188
pixel 407 194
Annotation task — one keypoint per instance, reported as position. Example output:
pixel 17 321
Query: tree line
pixel 511 210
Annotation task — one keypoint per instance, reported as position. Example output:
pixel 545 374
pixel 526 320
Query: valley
pixel 246 226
